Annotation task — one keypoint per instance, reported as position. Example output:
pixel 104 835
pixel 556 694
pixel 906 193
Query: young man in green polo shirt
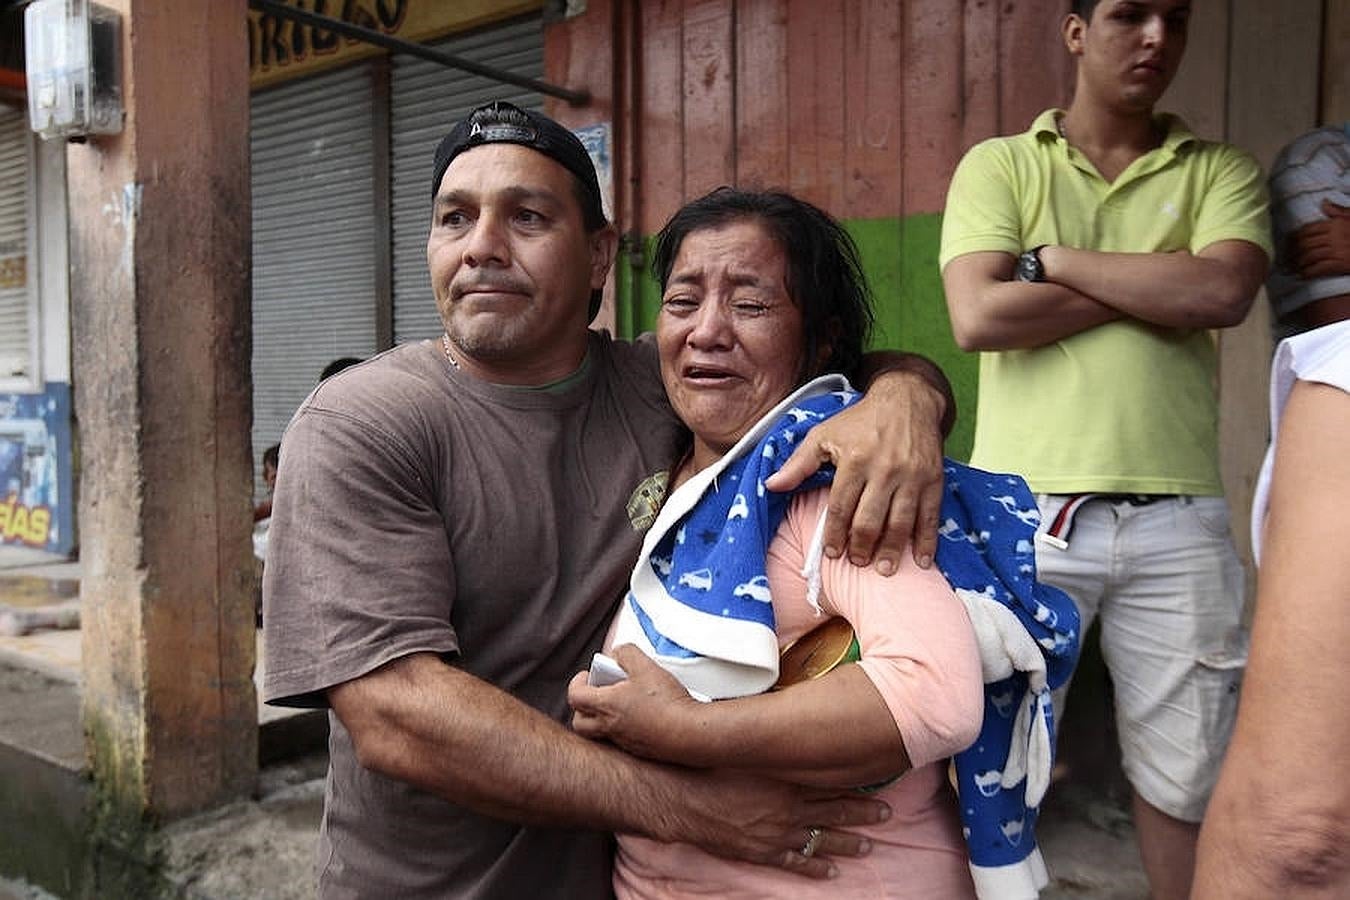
pixel 1088 258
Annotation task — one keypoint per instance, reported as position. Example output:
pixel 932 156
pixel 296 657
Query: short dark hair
pixel 272 456
pixel 825 275
pixel 337 366
pixel 1083 9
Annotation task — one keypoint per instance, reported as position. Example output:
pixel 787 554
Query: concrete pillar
pixel 159 229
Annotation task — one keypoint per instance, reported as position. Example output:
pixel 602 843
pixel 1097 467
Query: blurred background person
pixel 1310 214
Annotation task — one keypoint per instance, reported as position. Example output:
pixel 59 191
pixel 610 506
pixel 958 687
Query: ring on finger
pixel 813 838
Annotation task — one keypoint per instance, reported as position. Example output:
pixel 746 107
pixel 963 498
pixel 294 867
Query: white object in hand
pixel 605 671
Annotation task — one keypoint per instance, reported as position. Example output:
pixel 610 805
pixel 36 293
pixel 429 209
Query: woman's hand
pixel 645 715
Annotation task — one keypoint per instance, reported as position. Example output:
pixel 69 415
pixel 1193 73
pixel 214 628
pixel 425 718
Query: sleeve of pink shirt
pixel 917 644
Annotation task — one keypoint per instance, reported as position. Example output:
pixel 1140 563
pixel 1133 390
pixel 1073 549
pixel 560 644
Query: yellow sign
pixel 22 524
pixel 280 49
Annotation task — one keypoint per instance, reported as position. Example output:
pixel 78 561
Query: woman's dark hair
pixel 1083 9
pixel 825 277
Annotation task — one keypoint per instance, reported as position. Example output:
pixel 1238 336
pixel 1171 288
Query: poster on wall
pixel 36 500
pixel 596 139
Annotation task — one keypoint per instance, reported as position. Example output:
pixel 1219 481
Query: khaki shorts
pixel 1166 582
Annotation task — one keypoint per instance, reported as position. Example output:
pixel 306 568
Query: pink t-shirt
pixel 919 651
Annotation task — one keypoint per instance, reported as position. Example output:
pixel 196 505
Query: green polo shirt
pixel 1126 406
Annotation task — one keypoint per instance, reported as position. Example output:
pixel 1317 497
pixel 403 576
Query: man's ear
pixel 604 245
pixel 1073 30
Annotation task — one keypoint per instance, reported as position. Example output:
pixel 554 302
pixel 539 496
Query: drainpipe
pixel 630 139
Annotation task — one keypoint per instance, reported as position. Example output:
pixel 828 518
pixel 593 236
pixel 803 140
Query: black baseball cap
pixel 500 122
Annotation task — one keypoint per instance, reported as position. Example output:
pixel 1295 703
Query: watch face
pixel 1028 267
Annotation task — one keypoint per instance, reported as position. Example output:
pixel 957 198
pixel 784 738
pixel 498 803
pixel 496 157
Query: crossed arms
pixel 1321 249
pixel 1083 289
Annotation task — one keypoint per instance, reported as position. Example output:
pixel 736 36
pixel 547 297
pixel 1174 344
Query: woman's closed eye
pixel 678 304
pixel 749 306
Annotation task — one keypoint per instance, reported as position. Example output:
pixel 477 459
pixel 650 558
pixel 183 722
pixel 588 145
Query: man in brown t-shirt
pixel 453 525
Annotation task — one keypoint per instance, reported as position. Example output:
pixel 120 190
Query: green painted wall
pixel 900 260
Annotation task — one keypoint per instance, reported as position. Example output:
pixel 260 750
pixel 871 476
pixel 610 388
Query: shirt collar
pixel 1047 123
pixel 1178 135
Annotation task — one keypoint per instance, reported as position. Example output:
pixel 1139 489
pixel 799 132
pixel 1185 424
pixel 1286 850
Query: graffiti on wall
pixel 35 478
pixel 598 141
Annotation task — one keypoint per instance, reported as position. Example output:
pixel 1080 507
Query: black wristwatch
pixel 1029 267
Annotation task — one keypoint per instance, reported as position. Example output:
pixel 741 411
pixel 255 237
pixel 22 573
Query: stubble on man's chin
pixel 489 343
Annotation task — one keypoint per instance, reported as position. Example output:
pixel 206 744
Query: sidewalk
pixel 265 849
pixel 32 580
pixel 15 557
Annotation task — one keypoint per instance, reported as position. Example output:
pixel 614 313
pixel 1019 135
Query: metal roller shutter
pixel 426 100
pixel 17 302
pixel 313 239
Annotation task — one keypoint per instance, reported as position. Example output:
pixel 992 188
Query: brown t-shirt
pixel 418 509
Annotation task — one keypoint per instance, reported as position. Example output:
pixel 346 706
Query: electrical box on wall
pixel 72 61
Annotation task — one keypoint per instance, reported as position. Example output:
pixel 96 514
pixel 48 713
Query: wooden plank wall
pixel 1336 62
pixel 860 106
